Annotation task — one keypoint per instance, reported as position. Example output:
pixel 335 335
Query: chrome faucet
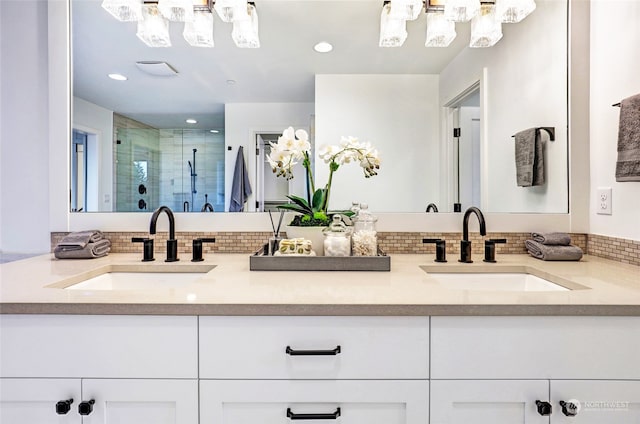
pixel 172 243
pixel 465 244
pixel 432 207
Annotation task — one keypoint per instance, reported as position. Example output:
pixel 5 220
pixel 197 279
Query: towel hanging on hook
pixel 550 130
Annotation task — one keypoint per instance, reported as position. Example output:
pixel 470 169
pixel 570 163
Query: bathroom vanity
pixel 240 347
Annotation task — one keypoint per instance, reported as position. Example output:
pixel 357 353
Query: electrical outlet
pixel 603 201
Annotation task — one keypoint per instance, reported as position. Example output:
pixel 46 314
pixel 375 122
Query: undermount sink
pixel 132 278
pixel 494 281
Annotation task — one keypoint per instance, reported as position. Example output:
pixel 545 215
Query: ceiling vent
pixel 158 69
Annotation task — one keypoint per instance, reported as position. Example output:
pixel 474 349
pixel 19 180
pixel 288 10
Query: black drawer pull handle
pixel 293 352
pixel 331 416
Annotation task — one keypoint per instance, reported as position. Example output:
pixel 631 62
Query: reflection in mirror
pixel 400 99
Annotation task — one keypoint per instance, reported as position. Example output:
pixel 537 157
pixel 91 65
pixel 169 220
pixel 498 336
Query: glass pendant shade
pixel 199 32
pixel 176 10
pixel 124 10
pixel 393 32
pixel 513 11
pixel 461 10
pixel 226 8
pixel 486 29
pixel 440 31
pixel 407 10
pixel 245 28
pixel 153 29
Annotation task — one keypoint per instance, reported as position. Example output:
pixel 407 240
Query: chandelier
pixel 153 19
pixel 486 19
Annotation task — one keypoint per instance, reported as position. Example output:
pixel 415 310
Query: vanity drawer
pixel 102 346
pixel 586 347
pixel 350 347
pixel 279 401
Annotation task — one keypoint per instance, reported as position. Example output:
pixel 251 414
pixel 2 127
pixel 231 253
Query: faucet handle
pixel 441 248
pixel 147 248
pixel 490 249
pixel 197 248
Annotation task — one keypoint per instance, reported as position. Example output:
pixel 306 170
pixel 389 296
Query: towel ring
pixel 550 130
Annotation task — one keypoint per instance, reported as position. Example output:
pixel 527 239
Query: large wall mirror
pixel 132 149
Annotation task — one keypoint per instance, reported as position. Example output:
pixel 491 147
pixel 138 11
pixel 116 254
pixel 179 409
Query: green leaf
pixel 333 166
pixel 294 208
pixel 318 200
pixel 301 202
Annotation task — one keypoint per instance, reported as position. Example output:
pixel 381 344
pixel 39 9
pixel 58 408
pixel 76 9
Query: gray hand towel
pixel 529 150
pixel 628 164
pixel 81 238
pixel 241 187
pixel 89 251
pixel 552 239
pixel 553 252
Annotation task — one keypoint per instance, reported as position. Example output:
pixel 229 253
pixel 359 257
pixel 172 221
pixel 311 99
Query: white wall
pixel 526 87
pixel 399 115
pixel 615 64
pixel 95 119
pixel 243 121
pixel 24 138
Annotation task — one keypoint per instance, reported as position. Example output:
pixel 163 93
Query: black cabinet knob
pixel 570 409
pixel 544 408
pixel 86 407
pixel 63 406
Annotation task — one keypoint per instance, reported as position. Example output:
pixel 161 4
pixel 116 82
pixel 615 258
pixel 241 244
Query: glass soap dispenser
pixel 337 238
pixel 364 240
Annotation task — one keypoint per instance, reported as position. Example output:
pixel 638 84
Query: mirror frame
pixel 60 97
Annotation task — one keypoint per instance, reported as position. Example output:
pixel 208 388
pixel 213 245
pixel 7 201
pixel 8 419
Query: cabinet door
pixel 279 401
pixel 141 401
pixel 596 401
pixel 34 401
pixel 487 401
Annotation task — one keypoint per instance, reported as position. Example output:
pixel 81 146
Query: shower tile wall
pixel 167 153
pixel 176 148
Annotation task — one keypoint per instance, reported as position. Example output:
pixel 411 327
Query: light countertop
pixel 598 287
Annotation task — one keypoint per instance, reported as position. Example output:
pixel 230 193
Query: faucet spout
pixel 172 221
pixel 172 243
pixel 465 222
pixel 465 243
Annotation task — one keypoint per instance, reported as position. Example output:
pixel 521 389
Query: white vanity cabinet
pixel 117 369
pixel 493 369
pixel 356 370
pixel 595 402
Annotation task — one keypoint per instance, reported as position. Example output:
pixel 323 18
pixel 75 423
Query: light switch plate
pixel 603 201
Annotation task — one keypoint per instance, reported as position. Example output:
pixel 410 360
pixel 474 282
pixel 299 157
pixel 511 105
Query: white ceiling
pixel 282 70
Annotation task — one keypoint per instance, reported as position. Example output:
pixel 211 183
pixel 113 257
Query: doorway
pixel 463 147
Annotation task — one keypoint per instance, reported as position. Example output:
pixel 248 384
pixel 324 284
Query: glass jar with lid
pixel 364 241
pixel 337 238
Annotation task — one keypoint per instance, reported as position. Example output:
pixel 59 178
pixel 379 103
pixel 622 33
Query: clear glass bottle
pixel 337 238
pixel 364 241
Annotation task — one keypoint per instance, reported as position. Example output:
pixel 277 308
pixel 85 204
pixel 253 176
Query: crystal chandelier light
pixel 124 10
pixel 461 10
pixel 486 29
pixel 176 10
pixel 226 8
pixel 153 29
pixel 513 11
pixel 393 32
pixel 245 27
pixel 440 31
pixel 199 32
pixel 407 10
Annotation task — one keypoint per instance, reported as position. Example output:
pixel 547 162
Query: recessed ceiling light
pixel 323 47
pixel 191 121
pixel 118 77
pixel 214 131
pixel 231 82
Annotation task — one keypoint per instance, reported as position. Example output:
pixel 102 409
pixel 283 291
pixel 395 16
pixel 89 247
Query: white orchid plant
pixel 293 146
